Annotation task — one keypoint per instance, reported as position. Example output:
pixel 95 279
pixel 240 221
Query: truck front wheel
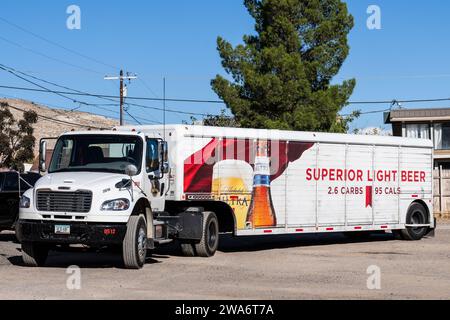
pixel 34 254
pixel 134 248
pixel 209 243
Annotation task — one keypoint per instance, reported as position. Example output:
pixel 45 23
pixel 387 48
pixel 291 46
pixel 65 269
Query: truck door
pixel 10 197
pixel 3 201
pixel 156 166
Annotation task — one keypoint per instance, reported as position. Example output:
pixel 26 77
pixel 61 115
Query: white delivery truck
pixel 139 187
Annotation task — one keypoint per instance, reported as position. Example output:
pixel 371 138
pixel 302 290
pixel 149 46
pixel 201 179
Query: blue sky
pixel 176 39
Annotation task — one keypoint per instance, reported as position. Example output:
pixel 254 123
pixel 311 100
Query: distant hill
pixel 54 122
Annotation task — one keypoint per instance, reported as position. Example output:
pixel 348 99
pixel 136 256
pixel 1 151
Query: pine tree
pixel 281 76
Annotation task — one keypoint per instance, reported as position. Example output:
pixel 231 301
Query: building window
pixel 442 136
pixel 418 131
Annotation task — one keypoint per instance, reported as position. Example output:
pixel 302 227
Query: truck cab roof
pixel 115 131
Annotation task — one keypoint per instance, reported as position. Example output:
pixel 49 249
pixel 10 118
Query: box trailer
pixel 142 186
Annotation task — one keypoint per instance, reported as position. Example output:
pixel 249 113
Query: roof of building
pixel 414 115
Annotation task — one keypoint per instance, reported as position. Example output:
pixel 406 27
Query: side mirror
pixel 131 170
pixel 43 156
pixel 164 152
pixel 165 168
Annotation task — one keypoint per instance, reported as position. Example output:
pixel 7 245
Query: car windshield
pixel 99 153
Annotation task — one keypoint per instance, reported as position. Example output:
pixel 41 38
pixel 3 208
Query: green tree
pixel 281 76
pixel 16 138
pixel 219 120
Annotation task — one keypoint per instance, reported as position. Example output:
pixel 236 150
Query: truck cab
pixel 104 188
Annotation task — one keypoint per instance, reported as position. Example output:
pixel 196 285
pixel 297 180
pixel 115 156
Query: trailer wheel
pixel 416 215
pixel 34 254
pixel 209 243
pixel 134 247
pixel 187 248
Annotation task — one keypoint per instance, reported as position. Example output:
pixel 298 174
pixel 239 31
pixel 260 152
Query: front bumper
pixel 80 233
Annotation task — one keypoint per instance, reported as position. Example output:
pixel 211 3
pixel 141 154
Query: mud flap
pixel 431 233
pixel 191 223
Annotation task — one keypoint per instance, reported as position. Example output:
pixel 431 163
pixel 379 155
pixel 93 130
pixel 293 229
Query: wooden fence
pixel 441 180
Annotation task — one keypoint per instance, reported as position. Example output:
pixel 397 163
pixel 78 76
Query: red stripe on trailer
pixel 358 228
pixel 415 195
pixel 299 230
pixel 384 227
pixel 267 231
pixel 330 229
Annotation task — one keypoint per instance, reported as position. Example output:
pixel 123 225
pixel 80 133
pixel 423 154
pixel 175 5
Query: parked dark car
pixel 10 195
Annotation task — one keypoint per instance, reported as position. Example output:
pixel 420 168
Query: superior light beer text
pixel 351 175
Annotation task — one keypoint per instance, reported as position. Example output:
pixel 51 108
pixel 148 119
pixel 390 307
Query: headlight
pixel 24 202
pixel 116 205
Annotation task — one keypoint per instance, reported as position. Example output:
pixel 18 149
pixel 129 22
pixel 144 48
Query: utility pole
pixel 121 78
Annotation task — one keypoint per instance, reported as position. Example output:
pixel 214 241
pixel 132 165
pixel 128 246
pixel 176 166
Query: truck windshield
pixel 99 153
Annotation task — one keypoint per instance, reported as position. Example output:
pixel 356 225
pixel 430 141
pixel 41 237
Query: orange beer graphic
pixel 261 213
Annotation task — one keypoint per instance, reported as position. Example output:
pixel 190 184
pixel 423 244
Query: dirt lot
pixel 306 267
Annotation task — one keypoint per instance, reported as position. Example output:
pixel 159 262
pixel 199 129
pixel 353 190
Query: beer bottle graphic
pixel 261 213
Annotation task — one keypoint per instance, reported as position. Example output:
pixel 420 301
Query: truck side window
pixel 152 159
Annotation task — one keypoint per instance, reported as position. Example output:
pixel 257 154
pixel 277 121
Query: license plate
pixel 62 229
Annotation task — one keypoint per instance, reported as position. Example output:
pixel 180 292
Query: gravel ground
pixel 273 267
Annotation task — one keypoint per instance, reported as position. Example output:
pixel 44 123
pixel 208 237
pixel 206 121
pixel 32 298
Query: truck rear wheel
pixel 209 243
pixel 134 247
pixel 34 254
pixel 416 215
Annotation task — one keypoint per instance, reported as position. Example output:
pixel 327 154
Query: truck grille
pixel 51 201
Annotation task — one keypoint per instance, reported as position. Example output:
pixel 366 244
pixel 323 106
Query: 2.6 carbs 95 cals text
pixel 361 191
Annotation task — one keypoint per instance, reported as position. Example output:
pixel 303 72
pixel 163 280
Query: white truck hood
pixel 79 180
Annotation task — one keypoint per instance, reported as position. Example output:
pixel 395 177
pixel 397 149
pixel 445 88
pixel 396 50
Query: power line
pixel 135 118
pixel 61 47
pixel 147 87
pixel 13 71
pixel 73 124
pixel 105 96
pixel 64 108
pixel 81 93
pixel 126 111
pixel 400 101
pixel 367 112
pixel 210 101
pixel 129 98
pixel 112 97
pixel 205 114
pixel 57 44
pixel 9 70
pixel 48 57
